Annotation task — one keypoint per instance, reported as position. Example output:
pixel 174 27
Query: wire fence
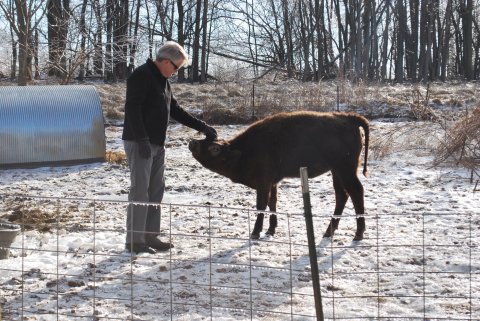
pixel 69 263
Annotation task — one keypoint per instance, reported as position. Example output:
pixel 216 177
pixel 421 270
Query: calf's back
pixel 279 145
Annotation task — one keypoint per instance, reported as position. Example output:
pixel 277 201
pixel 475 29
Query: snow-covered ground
pixel 420 258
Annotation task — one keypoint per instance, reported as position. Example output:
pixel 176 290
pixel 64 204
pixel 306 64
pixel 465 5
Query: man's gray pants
pixel 147 184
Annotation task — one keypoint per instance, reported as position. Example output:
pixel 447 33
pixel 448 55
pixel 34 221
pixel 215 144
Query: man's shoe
pixel 159 245
pixel 139 248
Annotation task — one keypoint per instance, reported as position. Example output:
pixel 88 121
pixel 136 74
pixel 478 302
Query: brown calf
pixel 277 146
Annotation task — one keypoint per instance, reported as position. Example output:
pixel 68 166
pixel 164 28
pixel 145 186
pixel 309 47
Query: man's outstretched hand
pixel 210 132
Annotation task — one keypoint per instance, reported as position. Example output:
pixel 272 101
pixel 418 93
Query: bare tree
pixel 134 37
pixel 400 40
pixel 385 41
pixel 58 15
pixel 20 14
pixel 120 43
pixel 321 36
pixel 98 54
pixel 194 76
pixel 288 37
pixel 181 34
pixel 466 7
pixel 445 40
pixel 411 43
pixel 83 36
pixel 251 35
pixel 13 66
pixel 203 62
pixel 304 40
pixel 307 39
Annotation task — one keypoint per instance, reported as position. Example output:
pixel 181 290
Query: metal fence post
pixel 311 243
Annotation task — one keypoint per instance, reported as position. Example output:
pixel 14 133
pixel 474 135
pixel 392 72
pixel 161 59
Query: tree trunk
pixel 83 40
pixel 181 35
pixel 412 41
pixel 194 76
pixel 445 38
pixel 400 38
pixel 467 22
pixel 429 32
pixel 119 37
pixel 341 38
pixel 384 58
pixel 320 32
pixel 435 32
pixel 98 66
pixel 423 58
pixel 279 45
pixel 23 42
pixel 58 15
pixel 203 63
pixel 35 55
pixel 458 65
pixel 251 36
pixel 133 43
pixel 304 41
pixel 367 18
pixel 109 74
pixel 288 38
pixel 13 70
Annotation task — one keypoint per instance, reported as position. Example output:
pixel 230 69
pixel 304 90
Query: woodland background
pixel 310 40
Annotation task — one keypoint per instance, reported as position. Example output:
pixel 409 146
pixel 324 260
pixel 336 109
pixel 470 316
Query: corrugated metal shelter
pixel 50 125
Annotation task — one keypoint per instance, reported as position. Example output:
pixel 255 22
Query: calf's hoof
pixel 270 231
pixel 329 233
pixel 358 237
pixel 255 236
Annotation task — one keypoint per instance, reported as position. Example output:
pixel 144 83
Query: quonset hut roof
pixel 50 125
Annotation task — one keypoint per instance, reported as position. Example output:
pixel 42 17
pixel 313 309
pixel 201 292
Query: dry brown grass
pixel 116 157
pixel 420 138
pixel 243 102
pixel 461 145
pixel 112 98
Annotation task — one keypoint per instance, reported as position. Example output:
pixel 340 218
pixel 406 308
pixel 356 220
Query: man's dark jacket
pixel 149 105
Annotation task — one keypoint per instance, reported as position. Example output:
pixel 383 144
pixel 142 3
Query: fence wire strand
pixel 221 275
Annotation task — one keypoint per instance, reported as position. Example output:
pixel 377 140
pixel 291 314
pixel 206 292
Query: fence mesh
pixel 69 263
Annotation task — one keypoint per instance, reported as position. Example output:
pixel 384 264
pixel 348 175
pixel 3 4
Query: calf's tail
pixel 367 134
pixel 363 122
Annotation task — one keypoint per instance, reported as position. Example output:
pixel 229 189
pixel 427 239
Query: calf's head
pixel 215 155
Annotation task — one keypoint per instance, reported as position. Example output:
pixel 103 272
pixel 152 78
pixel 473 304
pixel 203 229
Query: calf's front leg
pixel 263 195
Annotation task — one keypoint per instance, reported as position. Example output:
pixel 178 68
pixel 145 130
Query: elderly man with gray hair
pixel 148 107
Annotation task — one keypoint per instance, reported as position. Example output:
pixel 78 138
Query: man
pixel 149 105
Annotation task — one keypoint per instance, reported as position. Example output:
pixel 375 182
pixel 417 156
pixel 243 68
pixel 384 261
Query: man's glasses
pixel 173 64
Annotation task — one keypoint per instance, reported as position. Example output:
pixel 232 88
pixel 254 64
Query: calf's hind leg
pixel 341 198
pixel 272 205
pixel 355 190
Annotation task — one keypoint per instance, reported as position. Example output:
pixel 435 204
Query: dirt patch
pixel 46 216
pixel 32 218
